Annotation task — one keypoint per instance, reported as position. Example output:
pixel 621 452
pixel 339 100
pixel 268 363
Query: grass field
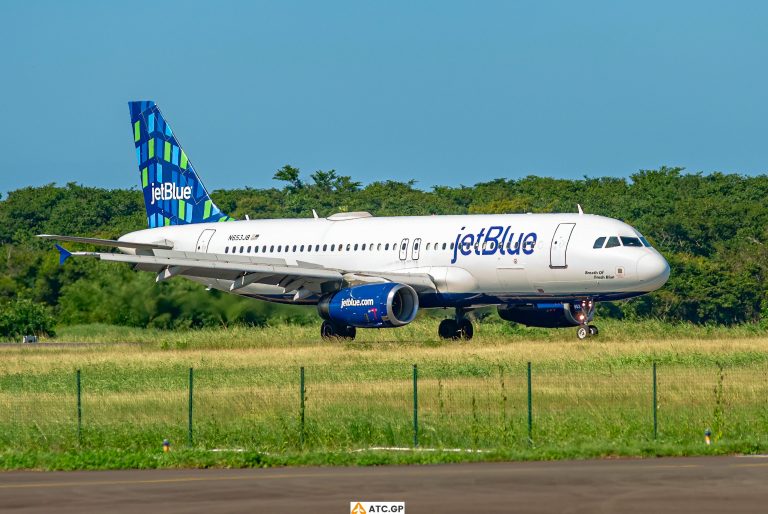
pixel 590 398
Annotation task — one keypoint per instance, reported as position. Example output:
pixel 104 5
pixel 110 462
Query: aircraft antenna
pixel 580 211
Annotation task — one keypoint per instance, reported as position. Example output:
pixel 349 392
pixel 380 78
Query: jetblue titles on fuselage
pixel 495 239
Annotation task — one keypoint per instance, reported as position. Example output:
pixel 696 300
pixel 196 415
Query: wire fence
pixel 433 406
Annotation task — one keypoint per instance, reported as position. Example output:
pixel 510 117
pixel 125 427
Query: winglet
pixel 64 254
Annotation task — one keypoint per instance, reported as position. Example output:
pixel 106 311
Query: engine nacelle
pixel 549 315
pixel 371 305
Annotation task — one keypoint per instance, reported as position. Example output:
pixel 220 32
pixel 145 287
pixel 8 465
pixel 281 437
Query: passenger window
pixel 630 241
pixel 309 248
pixel 363 248
pixel 378 246
pixel 317 248
pixel 264 249
pixel 249 249
pixel 272 249
pixel 333 247
pixel 599 242
pixel 226 249
pixel 386 247
pixel 612 242
pixel 301 248
pixel 255 249
pixel 294 248
pixel 428 245
pixel 355 247
pixel 443 246
pixel 452 245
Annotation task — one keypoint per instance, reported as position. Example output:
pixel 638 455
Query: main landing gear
pixel 330 330
pixel 458 328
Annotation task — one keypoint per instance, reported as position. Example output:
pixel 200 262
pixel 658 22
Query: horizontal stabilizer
pixel 160 245
pixel 64 254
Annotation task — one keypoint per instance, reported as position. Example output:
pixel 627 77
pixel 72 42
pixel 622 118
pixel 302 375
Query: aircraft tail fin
pixel 173 192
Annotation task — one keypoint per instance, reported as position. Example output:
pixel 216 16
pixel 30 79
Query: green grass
pixel 590 398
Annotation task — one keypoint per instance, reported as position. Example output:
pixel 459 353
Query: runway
pixel 704 484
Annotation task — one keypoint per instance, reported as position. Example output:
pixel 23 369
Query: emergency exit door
pixel 559 248
pixel 404 249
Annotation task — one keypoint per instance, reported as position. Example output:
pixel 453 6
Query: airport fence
pixel 453 406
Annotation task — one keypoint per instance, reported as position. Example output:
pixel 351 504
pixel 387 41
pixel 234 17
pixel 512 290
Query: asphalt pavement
pixel 680 485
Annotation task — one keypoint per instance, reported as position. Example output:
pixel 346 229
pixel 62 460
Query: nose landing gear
pixel 585 313
pixel 459 328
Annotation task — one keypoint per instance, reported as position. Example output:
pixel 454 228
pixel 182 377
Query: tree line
pixel 712 228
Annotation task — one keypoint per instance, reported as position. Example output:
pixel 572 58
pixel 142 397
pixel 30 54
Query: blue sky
pixel 440 92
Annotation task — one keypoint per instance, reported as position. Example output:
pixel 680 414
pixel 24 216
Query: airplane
pixel 364 271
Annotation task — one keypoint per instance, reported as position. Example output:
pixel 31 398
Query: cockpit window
pixel 645 242
pixel 612 242
pixel 599 242
pixel 631 241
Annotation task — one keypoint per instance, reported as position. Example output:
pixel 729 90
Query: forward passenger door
pixel 559 247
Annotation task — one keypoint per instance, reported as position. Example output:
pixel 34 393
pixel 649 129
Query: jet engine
pixel 371 305
pixel 549 315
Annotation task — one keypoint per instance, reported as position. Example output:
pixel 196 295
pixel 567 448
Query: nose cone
pixel 652 271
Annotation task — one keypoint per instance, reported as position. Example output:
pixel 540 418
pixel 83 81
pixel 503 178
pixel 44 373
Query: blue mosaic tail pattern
pixel 173 193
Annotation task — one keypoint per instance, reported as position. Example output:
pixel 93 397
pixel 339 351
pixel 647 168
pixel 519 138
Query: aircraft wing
pixel 244 270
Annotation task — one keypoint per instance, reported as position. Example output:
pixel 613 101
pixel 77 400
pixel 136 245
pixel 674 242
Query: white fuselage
pixel 472 259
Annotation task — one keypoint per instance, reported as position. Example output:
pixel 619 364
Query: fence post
pixel 79 411
pixel 530 408
pixel 301 408
pixel 415 406
pixel 191 390
pixel 655 404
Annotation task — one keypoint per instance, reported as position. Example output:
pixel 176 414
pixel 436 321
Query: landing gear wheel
pixel 330 330
pixel 593 331
pixel 448 329
pixel 582 332
pixel 465 330
pixel 327 330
